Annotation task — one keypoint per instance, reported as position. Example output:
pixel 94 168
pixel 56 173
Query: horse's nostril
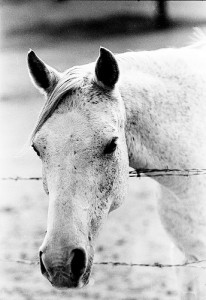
pixel 78 263
pixel 42 267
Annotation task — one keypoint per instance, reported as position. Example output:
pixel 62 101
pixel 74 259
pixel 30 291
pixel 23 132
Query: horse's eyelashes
pixel 111 146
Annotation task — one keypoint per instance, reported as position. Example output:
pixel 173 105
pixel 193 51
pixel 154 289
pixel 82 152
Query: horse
pixel 144 110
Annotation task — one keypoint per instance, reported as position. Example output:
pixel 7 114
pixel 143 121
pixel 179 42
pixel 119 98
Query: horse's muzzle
pixel 68 271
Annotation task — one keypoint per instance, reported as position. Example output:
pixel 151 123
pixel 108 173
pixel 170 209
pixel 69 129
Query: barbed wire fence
pixel 134 173
pixel 193 264
pixel 137 173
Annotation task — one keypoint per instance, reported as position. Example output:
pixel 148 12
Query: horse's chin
pixel 63 283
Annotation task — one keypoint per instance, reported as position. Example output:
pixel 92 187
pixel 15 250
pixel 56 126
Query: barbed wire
pixel 16 178
pixel 137 173
pixel 193 264
pixel 166 172
pixel 133 173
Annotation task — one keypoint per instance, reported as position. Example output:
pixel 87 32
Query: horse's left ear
pixel 44 77
pixel 106 69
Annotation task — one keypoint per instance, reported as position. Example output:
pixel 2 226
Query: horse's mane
pixel 71 80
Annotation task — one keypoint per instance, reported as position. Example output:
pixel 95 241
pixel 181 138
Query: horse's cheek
pixel 100 206
pixel 45 186
pixel 97 218
pixel 120 187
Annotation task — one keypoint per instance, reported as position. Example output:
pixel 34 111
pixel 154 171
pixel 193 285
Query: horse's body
pixel 165 100
pixel 149 107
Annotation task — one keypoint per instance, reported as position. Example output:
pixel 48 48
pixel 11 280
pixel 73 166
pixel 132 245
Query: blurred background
pixel 64 34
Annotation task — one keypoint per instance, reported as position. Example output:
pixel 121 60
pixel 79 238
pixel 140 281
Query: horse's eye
pixel 111 146
pixel 37 152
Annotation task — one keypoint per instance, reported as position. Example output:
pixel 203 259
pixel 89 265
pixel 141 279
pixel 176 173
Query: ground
pixel 133 233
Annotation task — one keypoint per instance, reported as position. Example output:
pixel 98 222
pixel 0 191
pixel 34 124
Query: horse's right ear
pixel 43 76
pixel 106 69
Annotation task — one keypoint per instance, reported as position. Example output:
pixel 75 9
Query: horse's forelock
pixel 72 80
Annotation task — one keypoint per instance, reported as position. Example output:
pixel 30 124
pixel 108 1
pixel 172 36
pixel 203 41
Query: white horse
pixel 138 109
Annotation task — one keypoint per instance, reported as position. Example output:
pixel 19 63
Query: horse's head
pixel 80 139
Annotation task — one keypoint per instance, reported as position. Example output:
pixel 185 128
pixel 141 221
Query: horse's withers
pixel 81 141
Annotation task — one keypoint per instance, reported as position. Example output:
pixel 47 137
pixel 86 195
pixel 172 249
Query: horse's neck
pixel 161 99
pixel 137 90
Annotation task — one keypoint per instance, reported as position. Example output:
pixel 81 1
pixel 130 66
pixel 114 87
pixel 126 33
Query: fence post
pixel 162 20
